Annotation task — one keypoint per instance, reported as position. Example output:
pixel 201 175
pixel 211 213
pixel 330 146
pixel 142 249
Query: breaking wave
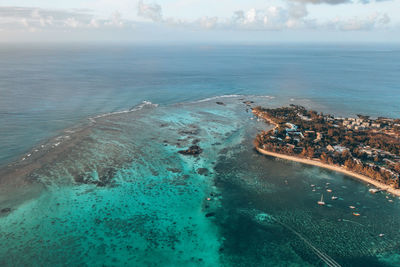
pixel 144 104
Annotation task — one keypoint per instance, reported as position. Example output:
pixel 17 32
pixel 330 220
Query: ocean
pixel 91 172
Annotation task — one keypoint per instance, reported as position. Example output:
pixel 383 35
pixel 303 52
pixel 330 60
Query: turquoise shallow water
pixel 152 210
pixel 112 190
pixel 229 206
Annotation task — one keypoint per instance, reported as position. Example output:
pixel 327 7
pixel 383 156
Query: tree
pixel 310 152
pixel 324 157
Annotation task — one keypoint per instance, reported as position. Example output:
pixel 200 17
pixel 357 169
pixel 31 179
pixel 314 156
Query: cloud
pixel 208 23
pixel 297 11
pixel 38 13
pixel 292 16
pixel 271 18
pixel 336 2
pixel 115 20
pixel 361 24
pixel 329 2
pixel 150 11
pixel 71 22
pixel 34 19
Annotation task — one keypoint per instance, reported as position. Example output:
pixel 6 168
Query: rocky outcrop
pixel 193 151
pixel 202 171
pixel 5 210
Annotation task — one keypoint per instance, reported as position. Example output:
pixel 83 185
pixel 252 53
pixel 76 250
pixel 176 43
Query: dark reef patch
pixel 174 170
pixel 202 171
pixel 105 178
pixel 5 210
pixel 193 151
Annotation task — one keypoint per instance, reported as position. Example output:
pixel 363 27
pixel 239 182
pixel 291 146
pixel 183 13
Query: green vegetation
pixel 363 145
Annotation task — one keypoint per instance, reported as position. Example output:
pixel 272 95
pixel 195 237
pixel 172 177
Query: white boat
pixel 321 202
pixel 334 198
pixel 373 190
pixel 329 190
pixel 381 235
pixel 352 207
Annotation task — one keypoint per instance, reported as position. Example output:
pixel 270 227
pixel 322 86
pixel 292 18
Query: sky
pixel 206 21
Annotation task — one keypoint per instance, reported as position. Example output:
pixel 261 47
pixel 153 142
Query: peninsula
pixel 362 147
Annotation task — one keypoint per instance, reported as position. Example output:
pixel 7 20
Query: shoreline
pixel 360 177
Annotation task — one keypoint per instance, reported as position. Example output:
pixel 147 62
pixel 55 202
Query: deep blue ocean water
pixel 155 207
pixel 46 88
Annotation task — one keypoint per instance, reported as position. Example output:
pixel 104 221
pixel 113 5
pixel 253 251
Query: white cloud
pixel 291 16
pixel 359 24
pixel 24 22
pixel 269 18
pixel 115 20
pixel 208 23
pixel 297 11
pixel 71 22
pixel 17 18
pixel 336 2
pixel 94 23
pixel 150 11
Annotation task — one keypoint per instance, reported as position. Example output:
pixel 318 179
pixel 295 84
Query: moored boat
pixel 321 202
pixel 373 190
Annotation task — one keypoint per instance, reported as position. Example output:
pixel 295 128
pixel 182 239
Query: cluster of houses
pixel 389 126
pixel 360 124
pixel 293 133
pixel 373 152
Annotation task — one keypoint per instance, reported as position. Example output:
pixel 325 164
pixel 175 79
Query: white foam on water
pixel 144 104
pixel 216 97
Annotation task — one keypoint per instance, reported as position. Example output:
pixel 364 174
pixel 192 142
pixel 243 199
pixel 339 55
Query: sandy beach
pixel 333 168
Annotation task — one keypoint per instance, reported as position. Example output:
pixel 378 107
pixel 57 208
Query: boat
pixel 334 198
pixel 356 214
pixel 352 207
pixel 373 190
pixel 329 190
pixel 321 202
pixel 381 235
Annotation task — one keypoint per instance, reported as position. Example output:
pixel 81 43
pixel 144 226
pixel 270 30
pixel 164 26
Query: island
pixel 362 147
